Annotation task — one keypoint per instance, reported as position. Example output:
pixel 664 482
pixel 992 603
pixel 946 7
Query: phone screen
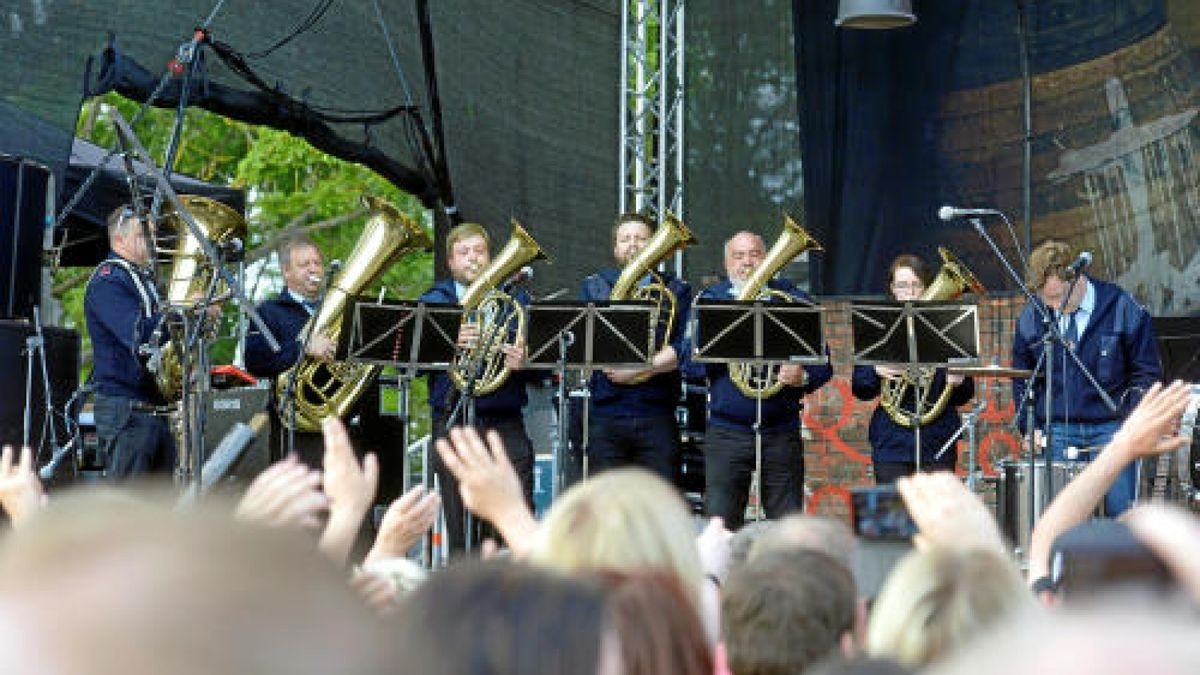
pixel 879 513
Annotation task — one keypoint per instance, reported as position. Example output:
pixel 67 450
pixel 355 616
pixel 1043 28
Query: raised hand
pixel 406 520
pixel 21 492
pixel 287 493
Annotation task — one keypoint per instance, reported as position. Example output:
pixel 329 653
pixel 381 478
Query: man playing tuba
pixel 468 256
pixel 729 453
pixel 632 418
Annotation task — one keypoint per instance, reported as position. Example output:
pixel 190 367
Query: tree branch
pixel 296 227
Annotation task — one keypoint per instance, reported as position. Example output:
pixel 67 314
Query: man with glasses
pixel 893 445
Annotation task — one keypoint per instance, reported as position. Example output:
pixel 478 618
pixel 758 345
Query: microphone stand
pixel 37 343
pixel 565 340
pixel 1050 336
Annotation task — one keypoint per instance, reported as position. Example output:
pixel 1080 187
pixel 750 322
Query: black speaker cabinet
pixel 228 407
pixel 62 368
pixel 25 202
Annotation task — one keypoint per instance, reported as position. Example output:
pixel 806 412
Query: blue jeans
pixel 649 442
pixel 1097 434
pixel 134 442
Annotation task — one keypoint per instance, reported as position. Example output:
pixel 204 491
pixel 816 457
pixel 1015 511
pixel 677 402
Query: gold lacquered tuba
pixel 762 381
pixel 952 280
pixel 500 317
pixel 323 389
pixel 671 236
pixel 191 272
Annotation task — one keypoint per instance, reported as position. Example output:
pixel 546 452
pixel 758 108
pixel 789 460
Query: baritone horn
pixel 500 317
pixel 952 280
pixel 329 389
pixel 762 381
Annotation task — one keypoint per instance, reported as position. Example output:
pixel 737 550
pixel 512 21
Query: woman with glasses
pixel 893 445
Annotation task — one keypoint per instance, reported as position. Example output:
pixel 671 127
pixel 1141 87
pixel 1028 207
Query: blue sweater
pixel 728 407
pixel 120 319
pixel 891 442
pixel 1117 346
pixel 507 401
pixel 660 394
pixel 285 318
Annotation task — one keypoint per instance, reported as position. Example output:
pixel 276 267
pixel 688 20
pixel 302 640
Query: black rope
pixel 306 24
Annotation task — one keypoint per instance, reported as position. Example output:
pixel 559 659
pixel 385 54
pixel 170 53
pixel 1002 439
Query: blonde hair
pixel 465 231
pixel 624 519
pixel 935 601
pixel 1050 258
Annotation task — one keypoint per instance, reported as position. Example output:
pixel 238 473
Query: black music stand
pixel 586 336
pixel 924 335
pixel 778 333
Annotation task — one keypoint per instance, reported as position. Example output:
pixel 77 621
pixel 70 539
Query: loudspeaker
pixel 226 408
pixel 26 198
pixel 62 368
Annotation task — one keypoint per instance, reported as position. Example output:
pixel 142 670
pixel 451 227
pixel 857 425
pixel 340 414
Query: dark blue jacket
pixel 728 407
pixel 285 318
pixel 507 401
pixel 120 319
pixel 660 394
pixel 891 442
pixel 1117 346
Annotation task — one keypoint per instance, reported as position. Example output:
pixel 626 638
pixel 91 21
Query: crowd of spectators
pixel 617 577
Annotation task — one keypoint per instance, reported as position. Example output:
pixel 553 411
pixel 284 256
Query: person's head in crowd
pixel 743 541
pixel 127 236
pixel 656 624
pixel 859 665
pixel 1120 638
pixel 936 600
pixel 623 519
pixel 816 533
pixel 302 266
pixel 101 586
pixel 786 610
pixel 500 617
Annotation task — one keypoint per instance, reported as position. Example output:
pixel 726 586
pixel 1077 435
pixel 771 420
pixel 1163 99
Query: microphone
pixel 232 250
pixel 949 213
pixel 1079 265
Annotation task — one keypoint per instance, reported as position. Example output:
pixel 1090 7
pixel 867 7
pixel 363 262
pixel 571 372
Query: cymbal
pixel 990 371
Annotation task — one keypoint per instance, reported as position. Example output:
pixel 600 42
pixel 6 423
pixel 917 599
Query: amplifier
pixel 228 407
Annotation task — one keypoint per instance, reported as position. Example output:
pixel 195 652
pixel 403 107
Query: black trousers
pixel 132 442
pixel 649 442
pixel 729 466
pixel 886 473
pixel 520 453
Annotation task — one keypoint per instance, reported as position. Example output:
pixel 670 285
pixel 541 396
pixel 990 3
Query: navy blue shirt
pixel 122 313
pixel 285 318
pixel 891 442
pixel 728 407
pixel 507 401
pixel 1117 346
pixel 659 394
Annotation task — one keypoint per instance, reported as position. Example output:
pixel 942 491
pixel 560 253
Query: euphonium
pixel 500 317
pixel 952 280
pixel 671 236
pixel 762 381
pixel 191 272
pixel 328 389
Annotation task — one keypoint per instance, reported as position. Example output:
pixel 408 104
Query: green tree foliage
pixel 291 188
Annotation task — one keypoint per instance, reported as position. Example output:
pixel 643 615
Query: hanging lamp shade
pixel 875 14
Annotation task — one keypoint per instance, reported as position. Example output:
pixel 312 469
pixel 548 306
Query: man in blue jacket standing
pixel 632 420
pixel 1114 339
pixel 729 452
pixel 285 315
pixel 468 253
pixel 124 317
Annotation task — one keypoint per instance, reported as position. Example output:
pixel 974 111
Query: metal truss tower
pixel 652 95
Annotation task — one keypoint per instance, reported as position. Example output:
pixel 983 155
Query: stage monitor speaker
pixel 228 407
pixel 62 368
pixel 26 199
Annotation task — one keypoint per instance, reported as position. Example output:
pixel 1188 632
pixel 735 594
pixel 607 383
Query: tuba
pixel 952 280
pixel 324 389
pixel 191 272
pixel 671 236
pixel 762 381
pixel 501 318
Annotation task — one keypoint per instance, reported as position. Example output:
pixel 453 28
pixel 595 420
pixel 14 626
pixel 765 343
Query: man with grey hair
pixel 123 315
pixel 285 315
